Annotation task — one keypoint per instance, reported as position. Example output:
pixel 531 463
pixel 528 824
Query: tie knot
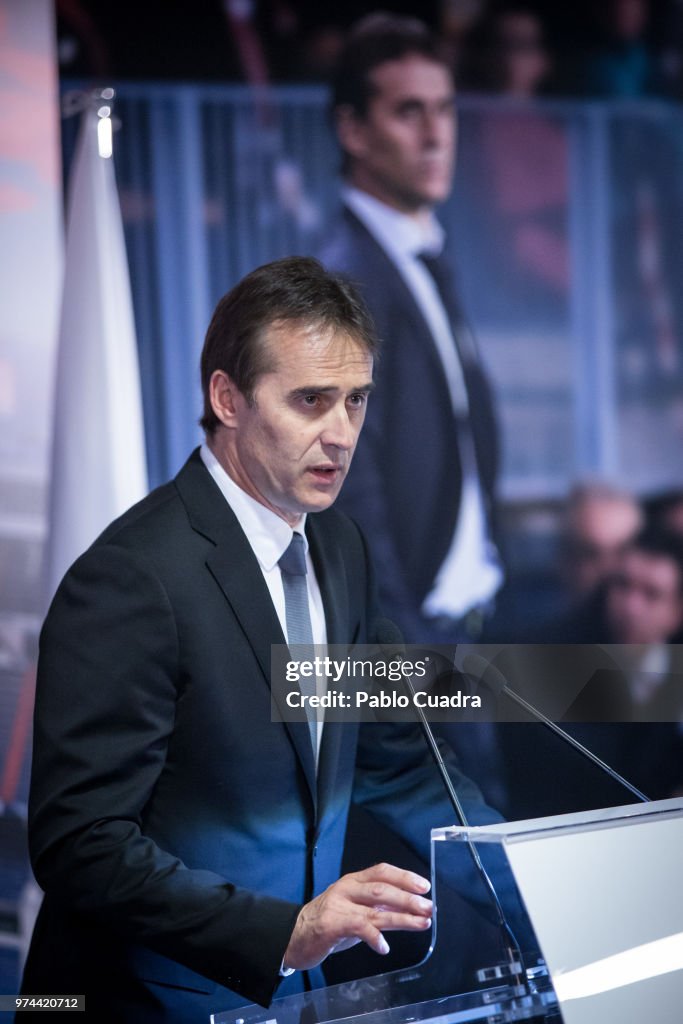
pixel 428 256
pixel 436 263
pixel 441 272
pixel 294 559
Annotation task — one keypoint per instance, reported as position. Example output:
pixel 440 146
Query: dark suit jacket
pixel 405 482
pixel 175 828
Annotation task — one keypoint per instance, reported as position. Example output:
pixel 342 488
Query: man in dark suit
pixel 188 845
pixel 422 484
pixel 423 480
pixel 630 708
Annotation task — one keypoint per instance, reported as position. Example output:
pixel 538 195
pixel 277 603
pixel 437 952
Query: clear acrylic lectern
pixel 604 893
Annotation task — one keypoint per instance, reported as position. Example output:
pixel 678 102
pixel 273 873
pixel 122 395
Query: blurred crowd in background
pixel 611 49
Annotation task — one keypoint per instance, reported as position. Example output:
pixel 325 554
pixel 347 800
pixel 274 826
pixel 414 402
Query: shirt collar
pixel 395 231
pixel 656 660
pixel 268 534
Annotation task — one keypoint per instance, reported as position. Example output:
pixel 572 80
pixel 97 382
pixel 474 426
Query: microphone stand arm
pixel 563 734
pixel 512 950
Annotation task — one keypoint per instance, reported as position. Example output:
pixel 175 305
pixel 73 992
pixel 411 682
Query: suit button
pixel 315 851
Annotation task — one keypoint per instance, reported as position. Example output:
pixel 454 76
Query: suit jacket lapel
pixel 236 570
pixel 383 268
pixel 329 570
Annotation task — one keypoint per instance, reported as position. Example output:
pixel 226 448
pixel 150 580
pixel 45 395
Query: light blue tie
pixel 297 615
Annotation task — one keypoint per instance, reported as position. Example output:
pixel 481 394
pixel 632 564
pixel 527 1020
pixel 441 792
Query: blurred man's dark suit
pixel 175 827
pixel 405 483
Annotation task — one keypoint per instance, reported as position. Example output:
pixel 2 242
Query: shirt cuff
pixel 286 972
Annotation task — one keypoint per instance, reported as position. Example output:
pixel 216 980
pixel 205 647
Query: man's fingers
pixel 402 879
pixel 384 885
pixel 390 921
pixel 374 939
pixel 388 887
pixel 359 907
pixel 388 897
pixel 384 921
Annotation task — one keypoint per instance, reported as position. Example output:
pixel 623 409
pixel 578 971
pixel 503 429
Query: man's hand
pixel 358 908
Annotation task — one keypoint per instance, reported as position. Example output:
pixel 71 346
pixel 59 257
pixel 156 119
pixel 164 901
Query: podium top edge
pixel 509 831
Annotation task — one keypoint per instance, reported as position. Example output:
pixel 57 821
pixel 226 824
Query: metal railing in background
pixel 566 221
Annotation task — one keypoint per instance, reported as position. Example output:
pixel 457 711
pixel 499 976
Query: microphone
pixel 494 680
pixel 388 637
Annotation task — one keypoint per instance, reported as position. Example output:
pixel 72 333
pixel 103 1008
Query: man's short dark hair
pixel 372 41
pixel 294 290
pixel 659 542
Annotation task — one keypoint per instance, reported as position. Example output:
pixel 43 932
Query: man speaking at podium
pixel 188 846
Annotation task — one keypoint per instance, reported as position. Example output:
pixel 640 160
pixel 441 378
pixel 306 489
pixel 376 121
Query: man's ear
pixel 226 398
pixel 350 131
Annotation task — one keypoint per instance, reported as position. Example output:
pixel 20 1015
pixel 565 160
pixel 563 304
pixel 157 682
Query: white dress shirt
pixel 471 573
pixel 649 672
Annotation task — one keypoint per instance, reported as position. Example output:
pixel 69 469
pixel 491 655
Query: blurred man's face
pixel 645 600
pixel 523 53
pixel 599 533
pixel 628 18
pixel 402 150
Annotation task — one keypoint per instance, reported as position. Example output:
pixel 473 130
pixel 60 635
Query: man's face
pixel 600 531
pixel 291 447
pixel 402 150
pixel 644 601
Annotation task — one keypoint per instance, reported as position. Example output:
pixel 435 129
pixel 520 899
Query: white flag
pixel 98 453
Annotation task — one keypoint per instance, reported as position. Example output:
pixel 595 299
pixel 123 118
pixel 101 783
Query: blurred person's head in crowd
pixel 666 510
pixel 507 53
pixel 457 18
pixel 393 104
pixel 644 598
pixel 624 20
pixel 600 521
pixel 321 49
pixel 618 60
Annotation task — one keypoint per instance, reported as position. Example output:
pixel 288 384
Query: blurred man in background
pixel 507 53
pixel 630 711
pixel 600 521
pixel 422 485
pixel 644 600
pixel 641 608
